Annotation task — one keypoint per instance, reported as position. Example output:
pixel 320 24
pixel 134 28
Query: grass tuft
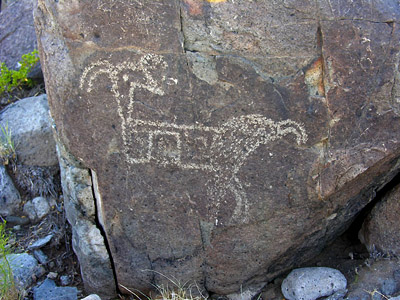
pixel 8 289
pixel 175 291
pixel 7 148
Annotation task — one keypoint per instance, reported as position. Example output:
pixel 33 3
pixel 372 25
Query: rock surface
pixel 376 280
pixel 380 231
pixel 313 283
pixel 24 268
pixel 17 32
pixel 37 209
pixel 224 155
pixel 10 198
pixel 49 290
pixel 28 120
pixel 87 241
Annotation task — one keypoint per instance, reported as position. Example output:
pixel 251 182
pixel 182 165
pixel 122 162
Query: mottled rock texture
pixel 17 32
pixel 87 240
pixel 28 121
pixel 380 230
pixel 231 140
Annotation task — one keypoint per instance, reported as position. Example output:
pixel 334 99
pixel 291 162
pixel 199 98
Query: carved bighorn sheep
pixel 221 150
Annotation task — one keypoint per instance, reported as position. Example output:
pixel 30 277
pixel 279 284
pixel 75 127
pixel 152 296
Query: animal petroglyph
pixel 220 151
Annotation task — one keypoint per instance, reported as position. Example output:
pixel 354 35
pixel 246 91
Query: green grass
pixel 8 289
pixel 7 147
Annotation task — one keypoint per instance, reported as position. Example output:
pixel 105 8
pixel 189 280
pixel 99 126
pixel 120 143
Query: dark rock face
pixel 17 32
pixel 380 230
pixel 230 140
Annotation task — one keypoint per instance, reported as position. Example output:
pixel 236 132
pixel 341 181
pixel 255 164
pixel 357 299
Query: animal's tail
pixel 291 127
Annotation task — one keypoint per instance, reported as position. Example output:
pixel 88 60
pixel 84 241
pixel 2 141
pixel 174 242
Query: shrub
pixel 13 79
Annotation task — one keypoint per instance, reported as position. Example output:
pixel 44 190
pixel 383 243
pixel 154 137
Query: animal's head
pixel 148 72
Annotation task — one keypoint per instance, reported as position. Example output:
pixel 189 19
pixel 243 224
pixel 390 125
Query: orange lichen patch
pixel 314 78
pixel 194 7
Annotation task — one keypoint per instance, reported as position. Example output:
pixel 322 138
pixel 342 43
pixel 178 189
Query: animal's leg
pixel 241 212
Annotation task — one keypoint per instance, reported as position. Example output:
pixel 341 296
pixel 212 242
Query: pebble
pixel 92 297
pixel 313 283
pixel 13 220
pixel 37 209
pixel 41 242
pixel 40 256
pixel 65 280
pixel 52 275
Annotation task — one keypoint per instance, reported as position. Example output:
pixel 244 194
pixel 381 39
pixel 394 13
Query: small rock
pixel 10 198
pixel 312 283
pixel 41 242
pixel 23 267
pixel 52 275
pixel 92 297
pixel 65 280
pixel 13 220
pixel 339 295
pixel 40 256
pixel 246 294
pixel 48 290
pixel 37 209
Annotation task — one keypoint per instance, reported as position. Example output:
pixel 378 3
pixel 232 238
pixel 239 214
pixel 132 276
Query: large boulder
pixel 231 139
pixel 17 32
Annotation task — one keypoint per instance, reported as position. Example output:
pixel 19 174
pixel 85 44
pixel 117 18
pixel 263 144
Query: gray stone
pixel 17 32
pixel 48 290
pixel 14 220
pixel 52 275
pixel 230 140
pixel 246 293
pixel 339 295
pixel 376 278
pixel 92 297
pixel 24 268
pixel 40 256
pixel 65 280
pixel 313 283
pixel 41 242
pixel 28 120
pixel 87 241
pixel 37 209
pixel 10 198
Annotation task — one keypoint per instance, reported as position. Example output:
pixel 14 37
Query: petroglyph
pixel 220 151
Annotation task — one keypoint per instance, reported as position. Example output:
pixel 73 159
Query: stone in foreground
pixel 48 290
pixel 313 283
